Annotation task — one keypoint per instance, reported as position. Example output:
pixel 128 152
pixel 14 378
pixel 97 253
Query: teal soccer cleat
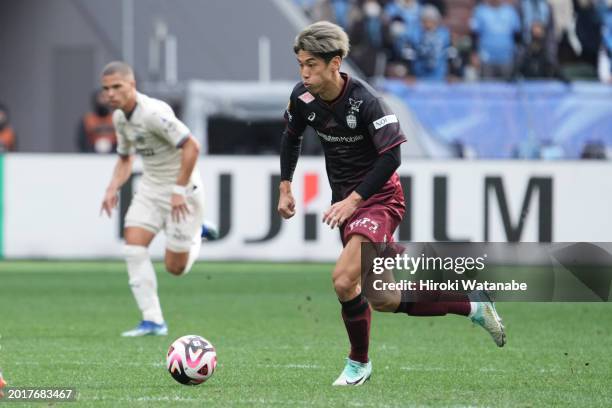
pixel 486 317
pixel 354 373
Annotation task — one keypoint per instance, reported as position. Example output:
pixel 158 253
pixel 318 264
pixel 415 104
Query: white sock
pixel 143 282
pixel 194 253
pixel 473 309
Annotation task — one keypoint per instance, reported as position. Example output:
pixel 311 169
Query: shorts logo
pixel 306 97
pixel 180 237
pixel 384 121
pixel 366 223
pixel 312 116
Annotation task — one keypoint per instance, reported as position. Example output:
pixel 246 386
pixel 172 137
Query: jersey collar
pixel 340 96
pixel 130 115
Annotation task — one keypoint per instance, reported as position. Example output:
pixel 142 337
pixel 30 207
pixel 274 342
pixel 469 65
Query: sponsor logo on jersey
pixel 351 121
pixel 312 116
pixel 306 97
pixel 384 121
pixel 340 139
pixel 146 152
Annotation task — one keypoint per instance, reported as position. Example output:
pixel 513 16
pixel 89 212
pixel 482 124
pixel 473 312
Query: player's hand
pixel 341 211
pixel 179 207
pixel 286 202
pixel 110 201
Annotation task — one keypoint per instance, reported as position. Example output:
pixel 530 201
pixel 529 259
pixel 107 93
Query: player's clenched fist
pixel 286 202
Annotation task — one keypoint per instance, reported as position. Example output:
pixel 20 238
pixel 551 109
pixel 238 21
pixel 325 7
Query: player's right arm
pixel 123 168
pixel 121 174
pixel 291 143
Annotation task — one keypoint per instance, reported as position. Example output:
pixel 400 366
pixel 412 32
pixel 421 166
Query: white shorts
pixel 150 209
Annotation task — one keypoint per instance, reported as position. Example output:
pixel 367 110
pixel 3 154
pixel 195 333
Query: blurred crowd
pixel 433 40
pixel 470 40
pixel 7 134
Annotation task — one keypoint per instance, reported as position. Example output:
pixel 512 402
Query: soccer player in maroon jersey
pixel 361 140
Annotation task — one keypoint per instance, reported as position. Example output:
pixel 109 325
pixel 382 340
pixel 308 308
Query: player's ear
pixel 335 63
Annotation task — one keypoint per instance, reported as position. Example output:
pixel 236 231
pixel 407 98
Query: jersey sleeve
pixel 166 125
pixel 124 147
pixel 295 123
pixel 383 126
pixel 291 139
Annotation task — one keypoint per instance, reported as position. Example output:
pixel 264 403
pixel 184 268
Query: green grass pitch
pixel 280 343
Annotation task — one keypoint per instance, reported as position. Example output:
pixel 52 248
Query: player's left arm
pixel 386 135
pixel 169 127
pixel 190 150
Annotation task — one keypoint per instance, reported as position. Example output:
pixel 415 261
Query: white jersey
pixel 154 132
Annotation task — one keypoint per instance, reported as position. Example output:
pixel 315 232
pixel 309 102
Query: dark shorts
pixel 378 217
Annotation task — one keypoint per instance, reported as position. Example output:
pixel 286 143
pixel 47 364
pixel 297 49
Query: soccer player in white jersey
pixel 169 195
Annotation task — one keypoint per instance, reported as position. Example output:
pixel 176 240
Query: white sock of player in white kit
pixel 194 252
pixel 143 282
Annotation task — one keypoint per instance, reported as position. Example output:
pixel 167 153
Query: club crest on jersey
pixel 355 104
pixel 351 118
pixel 312 116
pixel 306 97
pixel 351 121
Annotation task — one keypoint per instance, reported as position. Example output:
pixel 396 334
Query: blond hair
pixel 323 39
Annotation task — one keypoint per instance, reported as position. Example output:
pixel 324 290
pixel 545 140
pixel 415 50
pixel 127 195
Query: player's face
pixel 119 91
pixel 315 73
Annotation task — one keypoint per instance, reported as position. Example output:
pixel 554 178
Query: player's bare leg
pixel 179 258
pixel 180 263
pixel 478 306
pixel 176 262
pixel 143 282
pixel 382 301
pixel 355 312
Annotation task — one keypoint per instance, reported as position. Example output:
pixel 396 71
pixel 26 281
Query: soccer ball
pixel 191 360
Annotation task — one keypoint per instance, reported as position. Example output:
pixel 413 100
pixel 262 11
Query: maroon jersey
pixel 354 130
